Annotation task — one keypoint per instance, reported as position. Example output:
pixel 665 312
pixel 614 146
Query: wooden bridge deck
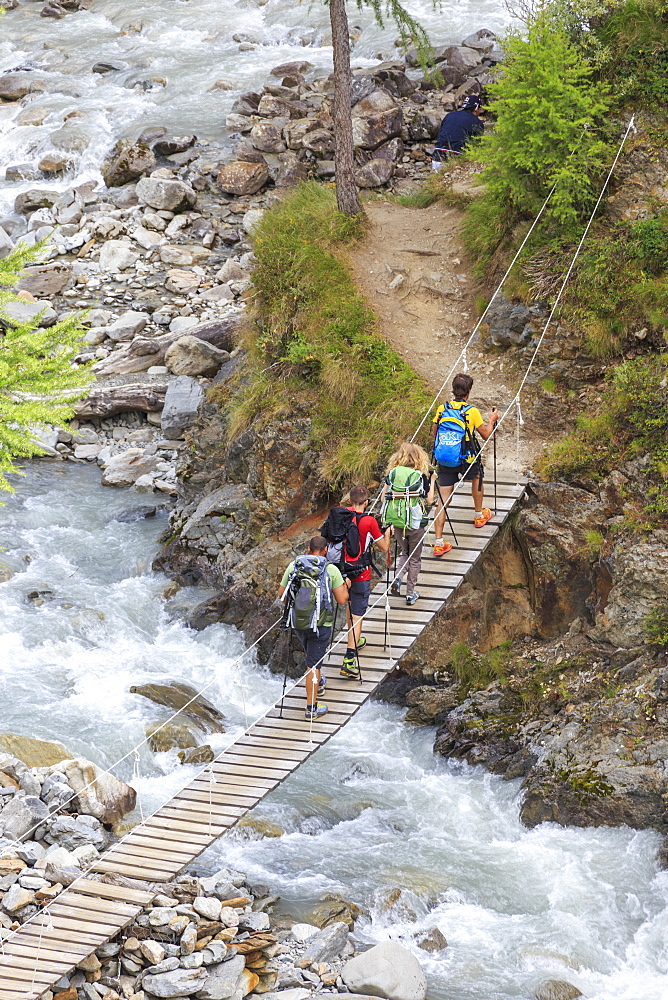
pixel 90 912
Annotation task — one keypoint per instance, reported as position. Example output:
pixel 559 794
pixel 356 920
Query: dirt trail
pixel 412 269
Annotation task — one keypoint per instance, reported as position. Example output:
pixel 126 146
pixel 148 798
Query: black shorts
pixel 450 476
pixel 359 597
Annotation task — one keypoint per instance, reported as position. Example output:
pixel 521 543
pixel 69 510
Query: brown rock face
pixel 242 177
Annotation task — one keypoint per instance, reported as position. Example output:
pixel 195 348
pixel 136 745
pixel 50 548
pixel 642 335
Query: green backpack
pixel 404 506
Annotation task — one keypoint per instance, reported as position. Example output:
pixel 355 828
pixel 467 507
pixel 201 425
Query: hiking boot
pixel 440 550
pixel 349 667
pixel 322 684
pixel 485 516
pixel 362 643
pixel 412 598
pixel 314 711
pixel 396 587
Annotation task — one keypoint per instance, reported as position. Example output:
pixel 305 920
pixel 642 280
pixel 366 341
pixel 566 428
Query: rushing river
pixel 178 50
pixel 372 811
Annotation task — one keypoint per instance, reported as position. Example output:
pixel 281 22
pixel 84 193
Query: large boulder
pixel 242 177
pixel 462 58
pixel 14 86
pixel 191 356
pixel 126 468
pixel 179 697
pixel 182 402
pixel 166 194
pixel 295 131
pixel 128 162
pixel 177 983
pixel 370 131
pixel 320 142
pixel 98 793
pixel 143 353
pixel 19 311
pixel 388 970
pixel 34 199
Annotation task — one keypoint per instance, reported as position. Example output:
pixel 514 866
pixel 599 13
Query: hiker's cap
pixel 472 103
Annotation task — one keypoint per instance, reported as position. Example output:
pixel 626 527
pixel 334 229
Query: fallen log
pixel 106 402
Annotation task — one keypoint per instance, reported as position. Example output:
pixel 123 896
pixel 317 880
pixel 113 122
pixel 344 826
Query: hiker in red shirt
pixel 359 585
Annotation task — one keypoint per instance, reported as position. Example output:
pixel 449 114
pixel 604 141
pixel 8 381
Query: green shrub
pixel 547 133
pixel 315 348
pixel 656 627
pixel 474 671
pixel 634 38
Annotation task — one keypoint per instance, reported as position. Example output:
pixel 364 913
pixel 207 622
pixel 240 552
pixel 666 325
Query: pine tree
pixel 38 383
pixel 347 197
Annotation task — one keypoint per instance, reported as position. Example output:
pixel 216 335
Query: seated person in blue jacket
pixel 458 128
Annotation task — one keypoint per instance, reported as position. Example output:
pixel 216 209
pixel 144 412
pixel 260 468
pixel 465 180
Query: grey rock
pixel 326 945
pixel 164 194
pixel 371 131
pixel 128 325
pixel 128 162
pixel 182 402
pixel 28 312
pixel 256 921
pixel 16 898
pixel 431 941
pixel 6 245
pixel 125 469
pixel 268 137
pixel 178 983
pixel 319 141
pixel 509 324
pixel 388 970
pixel 224 979
pixel 374 174
pixel 21 814
pixel 116 255
pixel 191 356
pixel 29 201
pixel 71 833
pixel 482 40
pixel 556 989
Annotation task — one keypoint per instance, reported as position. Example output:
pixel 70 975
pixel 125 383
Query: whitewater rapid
pixel 374 810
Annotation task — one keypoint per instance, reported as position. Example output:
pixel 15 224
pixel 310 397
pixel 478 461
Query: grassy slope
pixel 314 346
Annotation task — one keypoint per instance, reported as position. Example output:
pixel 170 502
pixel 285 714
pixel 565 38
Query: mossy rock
pixel 163 737
pixel 262 826
pixel 33 753
pixel 333 909
pixel 196 755
pixel 175 696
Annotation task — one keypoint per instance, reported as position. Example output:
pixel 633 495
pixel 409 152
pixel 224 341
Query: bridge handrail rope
pixel 383 595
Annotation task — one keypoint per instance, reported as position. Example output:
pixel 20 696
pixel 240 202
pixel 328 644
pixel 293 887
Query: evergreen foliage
pixel 547 133
pixel 38 383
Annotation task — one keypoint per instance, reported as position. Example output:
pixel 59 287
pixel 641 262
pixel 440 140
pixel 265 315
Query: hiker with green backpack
pixel 408 493
pixel 311 585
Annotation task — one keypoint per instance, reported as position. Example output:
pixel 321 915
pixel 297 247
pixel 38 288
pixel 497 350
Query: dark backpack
pixel 341 529
pixel 308 592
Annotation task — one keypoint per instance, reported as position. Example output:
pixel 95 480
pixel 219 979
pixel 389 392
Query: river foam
pixel 372 812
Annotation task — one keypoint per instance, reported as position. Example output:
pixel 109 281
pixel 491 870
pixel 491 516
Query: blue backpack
pixel 454 443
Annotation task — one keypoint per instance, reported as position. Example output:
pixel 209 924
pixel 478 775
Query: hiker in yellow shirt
pixel 456 450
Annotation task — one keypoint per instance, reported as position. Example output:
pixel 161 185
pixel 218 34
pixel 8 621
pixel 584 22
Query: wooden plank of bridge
pixel 90 912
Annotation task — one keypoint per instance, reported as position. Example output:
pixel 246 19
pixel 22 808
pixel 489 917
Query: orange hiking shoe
pixel 484 517
pixel 440 550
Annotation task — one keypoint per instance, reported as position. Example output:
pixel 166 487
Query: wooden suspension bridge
pixel 86 915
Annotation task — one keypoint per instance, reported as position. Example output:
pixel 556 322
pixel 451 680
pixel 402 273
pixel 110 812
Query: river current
pixel 373 811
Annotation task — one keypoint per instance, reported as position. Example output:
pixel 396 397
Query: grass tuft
pixel 315 348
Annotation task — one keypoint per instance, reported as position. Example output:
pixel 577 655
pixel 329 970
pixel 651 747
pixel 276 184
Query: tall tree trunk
pixel 346 192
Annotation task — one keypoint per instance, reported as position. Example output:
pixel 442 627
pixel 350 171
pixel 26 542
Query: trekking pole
pixel 285 673
pixel 387 590
pixel 494 451
pixel 445 509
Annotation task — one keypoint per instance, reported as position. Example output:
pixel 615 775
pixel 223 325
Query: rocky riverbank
pixel 160 257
